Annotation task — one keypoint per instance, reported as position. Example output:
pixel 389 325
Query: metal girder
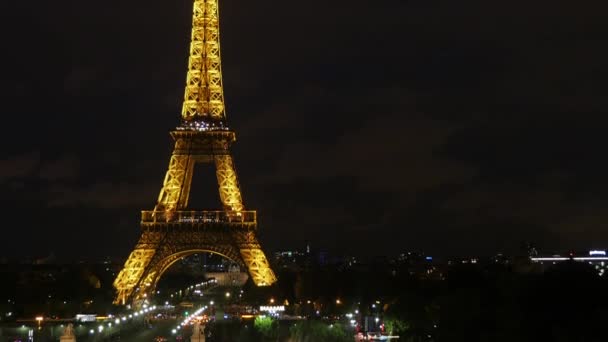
pixel 176 186
pixel 255 259
pixel 230 194
pixel 171 231
pixel 158 249
pixel 131 273
pixel 204 97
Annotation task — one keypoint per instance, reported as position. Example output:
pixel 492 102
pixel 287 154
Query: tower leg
pixel 138 261
pixel 230 194
pixel 176 186
pixel 255 259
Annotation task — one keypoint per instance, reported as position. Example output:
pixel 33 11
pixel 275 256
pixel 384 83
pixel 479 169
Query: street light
pixel 39 320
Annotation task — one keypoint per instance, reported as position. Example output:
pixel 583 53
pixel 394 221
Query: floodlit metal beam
pixel 171 231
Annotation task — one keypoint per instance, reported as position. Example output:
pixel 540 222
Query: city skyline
pixel 437 127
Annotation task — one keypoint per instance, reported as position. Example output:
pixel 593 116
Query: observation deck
pixel 207 217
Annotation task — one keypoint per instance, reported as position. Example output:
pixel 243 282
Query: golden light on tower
pixel 172 231
pixel 204 96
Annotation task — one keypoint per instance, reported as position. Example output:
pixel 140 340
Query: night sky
pixel 363 127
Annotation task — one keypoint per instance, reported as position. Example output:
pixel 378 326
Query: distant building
pixel 500 259
pixel 409 258
pixel 467 260
pixel 597 258
pixel 292 259
pixel 415 264
pixel 233 277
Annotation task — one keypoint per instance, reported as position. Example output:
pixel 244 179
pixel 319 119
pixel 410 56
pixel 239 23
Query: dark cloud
pixel 454 127
pixel 21 166
pixel 102 196
pixel 66 168
pixel 394 153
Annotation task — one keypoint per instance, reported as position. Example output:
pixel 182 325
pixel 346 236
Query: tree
pixel 267 327
pixel 313 331
pixel 395 325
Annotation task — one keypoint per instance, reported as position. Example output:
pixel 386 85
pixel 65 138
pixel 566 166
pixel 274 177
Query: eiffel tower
pixel 172 231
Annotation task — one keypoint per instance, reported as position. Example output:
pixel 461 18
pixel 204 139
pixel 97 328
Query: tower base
pixel 164 243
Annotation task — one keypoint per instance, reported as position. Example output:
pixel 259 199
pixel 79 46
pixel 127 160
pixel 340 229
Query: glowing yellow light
pixel 203 129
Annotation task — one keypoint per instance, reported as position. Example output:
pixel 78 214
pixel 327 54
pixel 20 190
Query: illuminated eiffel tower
pixel 172 231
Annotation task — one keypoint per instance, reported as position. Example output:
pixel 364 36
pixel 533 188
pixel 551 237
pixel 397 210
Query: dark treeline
pixel 55 290
pixel 491 302
pixel 495 302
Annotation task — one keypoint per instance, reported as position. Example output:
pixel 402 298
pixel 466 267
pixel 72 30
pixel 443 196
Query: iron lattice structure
pixel 171 231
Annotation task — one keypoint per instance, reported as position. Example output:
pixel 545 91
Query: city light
pixel 573 258
pixel 268 308
pixel 188 318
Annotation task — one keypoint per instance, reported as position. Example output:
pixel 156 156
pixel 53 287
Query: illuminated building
pixel 171 230
pixel 597 258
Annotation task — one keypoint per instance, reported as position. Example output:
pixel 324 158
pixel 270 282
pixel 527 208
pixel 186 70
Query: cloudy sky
pixel 366 127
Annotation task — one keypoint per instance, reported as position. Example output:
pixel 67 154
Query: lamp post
pixel 39 319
